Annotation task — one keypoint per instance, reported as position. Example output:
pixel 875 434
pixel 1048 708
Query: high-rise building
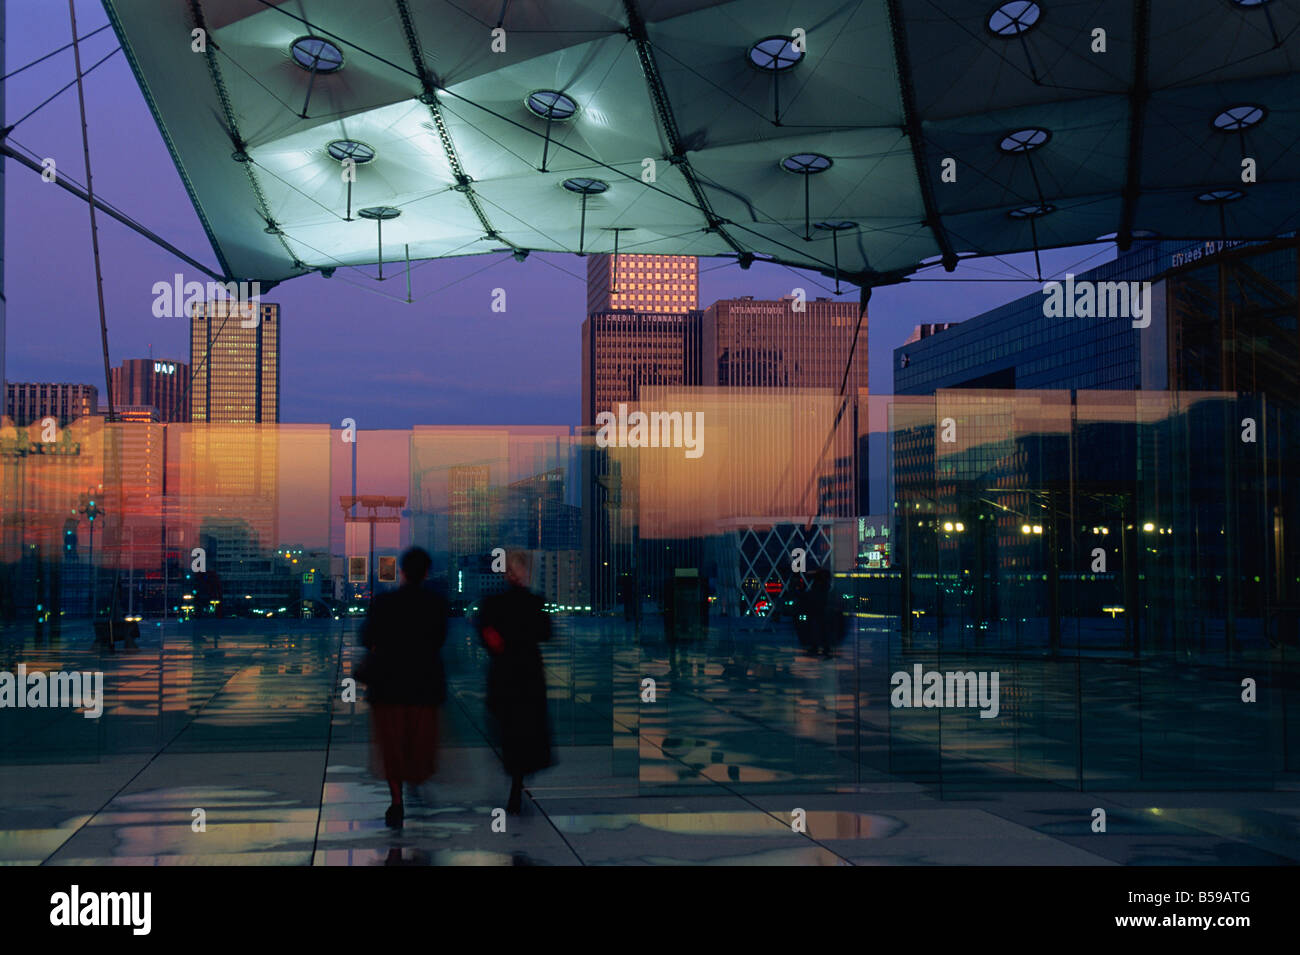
pixel 754 343
pixel 237 367
pixel 1183 344
pixel 624 351
pixel 642 330
pixel 632 281
pixel 1019 431
pixel 27 402
pixel 140 383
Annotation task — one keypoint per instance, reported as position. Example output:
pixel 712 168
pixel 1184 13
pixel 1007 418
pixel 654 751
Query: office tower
pixel 236 367
pixel 141 383
pixel 469 509
pixel 28 402
pixel 753 343
pixel 666 284
pixel 1168 439
pixel 622 353
pixel 1184 344
pixel 761 346
pixel 625 351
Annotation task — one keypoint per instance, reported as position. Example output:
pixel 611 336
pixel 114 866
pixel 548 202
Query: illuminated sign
pixel 164 368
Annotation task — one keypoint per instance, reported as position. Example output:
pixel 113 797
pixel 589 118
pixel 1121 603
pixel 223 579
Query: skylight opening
pixel 316 54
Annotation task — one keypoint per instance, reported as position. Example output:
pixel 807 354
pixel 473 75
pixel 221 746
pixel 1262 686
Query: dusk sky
pixel 351 347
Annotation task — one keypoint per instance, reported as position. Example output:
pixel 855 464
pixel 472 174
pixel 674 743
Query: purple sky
pixel 349 349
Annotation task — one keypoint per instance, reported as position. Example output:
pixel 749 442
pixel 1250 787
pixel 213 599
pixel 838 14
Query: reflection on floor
pixel 749 754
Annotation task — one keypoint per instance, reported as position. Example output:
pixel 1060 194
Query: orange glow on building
pixel 631 281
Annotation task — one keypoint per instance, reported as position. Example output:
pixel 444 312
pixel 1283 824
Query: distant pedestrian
pixel 512 625
pixel 819 621
pixel 404 632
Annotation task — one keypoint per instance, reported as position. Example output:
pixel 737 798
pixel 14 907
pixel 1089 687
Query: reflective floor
pixel 749 753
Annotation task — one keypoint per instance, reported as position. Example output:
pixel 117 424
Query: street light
pixel 92 509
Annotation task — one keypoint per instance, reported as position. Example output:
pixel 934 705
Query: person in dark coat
pixel 825 619
pixel 512 625
pixel 404 632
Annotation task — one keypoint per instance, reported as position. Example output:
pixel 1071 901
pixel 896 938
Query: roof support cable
pixel 659 96
pixel 915 137
pixel 1033 233
pixel 65 183
pixel 429 97
pixel 240 155
pixel 94 222
pixel 42 59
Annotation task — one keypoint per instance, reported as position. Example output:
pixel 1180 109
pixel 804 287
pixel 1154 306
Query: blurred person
pixel 512 625
pixel 403 634
pixel 817 621
pixel 827 618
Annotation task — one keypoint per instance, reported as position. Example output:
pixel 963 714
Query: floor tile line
pixel 487 739
pixel 136 775
pixel 741 796
pixel 329 740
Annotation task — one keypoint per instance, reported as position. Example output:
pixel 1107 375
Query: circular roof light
pixel 1248 4
pixel 551 104
pixel 1221 195
pixel 317 54
pixel 1014 17
pixel 380 212
pixel 1024 140
pixel 835 225
pixel 775 54
pixel 586 187
pixel 1032 212
pixel 1236 118
pixel 806 164
pixel 358 152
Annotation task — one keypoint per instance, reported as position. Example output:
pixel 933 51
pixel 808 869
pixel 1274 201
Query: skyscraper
pixel 237 368
pixel 142 383
pixel 631 281
pixel 642 329
pixel 752 343
pixel 624 351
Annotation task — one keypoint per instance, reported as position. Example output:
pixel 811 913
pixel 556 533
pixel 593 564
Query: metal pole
pixel 90 192
pixel 582 228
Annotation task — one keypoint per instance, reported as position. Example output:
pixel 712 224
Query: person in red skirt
pixel 404 632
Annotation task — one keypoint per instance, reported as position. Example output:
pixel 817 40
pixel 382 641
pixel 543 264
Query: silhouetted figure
pixel 511 626
pixel 403 635
pixel 819 622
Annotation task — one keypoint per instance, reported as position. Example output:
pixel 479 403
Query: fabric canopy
pixel 858 137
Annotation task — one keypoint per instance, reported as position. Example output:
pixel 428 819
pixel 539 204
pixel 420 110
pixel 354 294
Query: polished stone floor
pixel 245 721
